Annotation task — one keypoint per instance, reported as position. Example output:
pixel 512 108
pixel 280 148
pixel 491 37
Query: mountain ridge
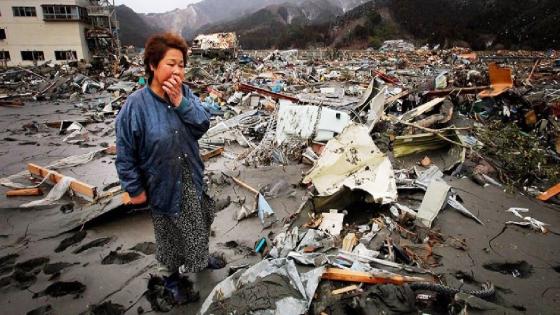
pixel 479 24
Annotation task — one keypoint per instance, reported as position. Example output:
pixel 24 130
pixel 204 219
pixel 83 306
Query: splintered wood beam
pixel 210 154
pixel 349 288
pixel 82 189
pixel 393 98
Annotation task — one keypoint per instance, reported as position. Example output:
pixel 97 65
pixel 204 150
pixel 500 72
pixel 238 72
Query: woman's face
pixel 171 64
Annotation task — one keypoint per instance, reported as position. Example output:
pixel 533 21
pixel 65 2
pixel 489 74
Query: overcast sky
pixel 151 6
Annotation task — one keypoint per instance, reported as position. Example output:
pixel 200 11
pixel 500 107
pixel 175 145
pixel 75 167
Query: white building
pixel 34 31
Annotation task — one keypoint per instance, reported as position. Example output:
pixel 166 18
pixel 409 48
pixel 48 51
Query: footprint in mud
pixel 146 248
pixel 6 281
pixel 24 274
pixel 59 289
pixel 23 280
pixel 116 258
pixel 67 242
pixel 519 269
pixel 53 268
pixel 95 243
pixel 556 268
pixel 106 308
pixel 238 249
pixel 42 310
pixel 7 263
pixel 32 264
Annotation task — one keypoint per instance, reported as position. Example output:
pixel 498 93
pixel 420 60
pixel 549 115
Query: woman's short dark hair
pixel 156 47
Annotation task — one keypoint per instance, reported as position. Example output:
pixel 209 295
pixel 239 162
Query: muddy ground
pixel 36 271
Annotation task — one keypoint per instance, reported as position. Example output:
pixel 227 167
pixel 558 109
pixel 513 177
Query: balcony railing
pixel 64 13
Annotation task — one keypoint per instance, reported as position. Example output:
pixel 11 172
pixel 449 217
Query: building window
pixel 55 12
pixel 32 55
pixel 4 55
pixel 24 11
pixel 2 33
pixel 65 55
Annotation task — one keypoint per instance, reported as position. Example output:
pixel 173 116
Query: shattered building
pixel 216 45
pixel 103 33
pixel 33 31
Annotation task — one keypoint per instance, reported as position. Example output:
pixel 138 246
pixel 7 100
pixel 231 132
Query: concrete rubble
pixel 391 181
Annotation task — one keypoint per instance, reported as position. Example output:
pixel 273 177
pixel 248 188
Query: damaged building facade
pixel 223 45
pixel 34 31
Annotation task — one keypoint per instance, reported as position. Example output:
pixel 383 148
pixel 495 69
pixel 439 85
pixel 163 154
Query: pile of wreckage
pixel 73 81
pixel 478 119
pixel 380 131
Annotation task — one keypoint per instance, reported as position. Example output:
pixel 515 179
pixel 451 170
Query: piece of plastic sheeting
pixel 362 250
pixel 309 259
pixel 54 195
pixel 305 284
pixel 265 212
pixel 425 177
pixel 317 239
pixel 311 281
pixel 527 221
pixel 284 243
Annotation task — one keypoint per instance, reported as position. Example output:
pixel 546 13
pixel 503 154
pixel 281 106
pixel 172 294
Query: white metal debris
pixel 353 160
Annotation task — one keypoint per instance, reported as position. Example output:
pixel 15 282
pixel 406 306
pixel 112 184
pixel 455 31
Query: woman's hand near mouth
pixel 173 87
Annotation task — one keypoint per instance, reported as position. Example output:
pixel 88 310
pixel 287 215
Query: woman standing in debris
pixel 158 159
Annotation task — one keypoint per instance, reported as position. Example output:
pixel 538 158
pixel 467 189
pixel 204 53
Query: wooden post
pixel 24 192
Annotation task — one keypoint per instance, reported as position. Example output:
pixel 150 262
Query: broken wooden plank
pixel 242 184
pixel 347 289
pixel 555 190
pixel 411 114
pixel 24 192
pixel 84 190
pixel 337 274
pixel 210 154
pixel 349 241
pixel 396 97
